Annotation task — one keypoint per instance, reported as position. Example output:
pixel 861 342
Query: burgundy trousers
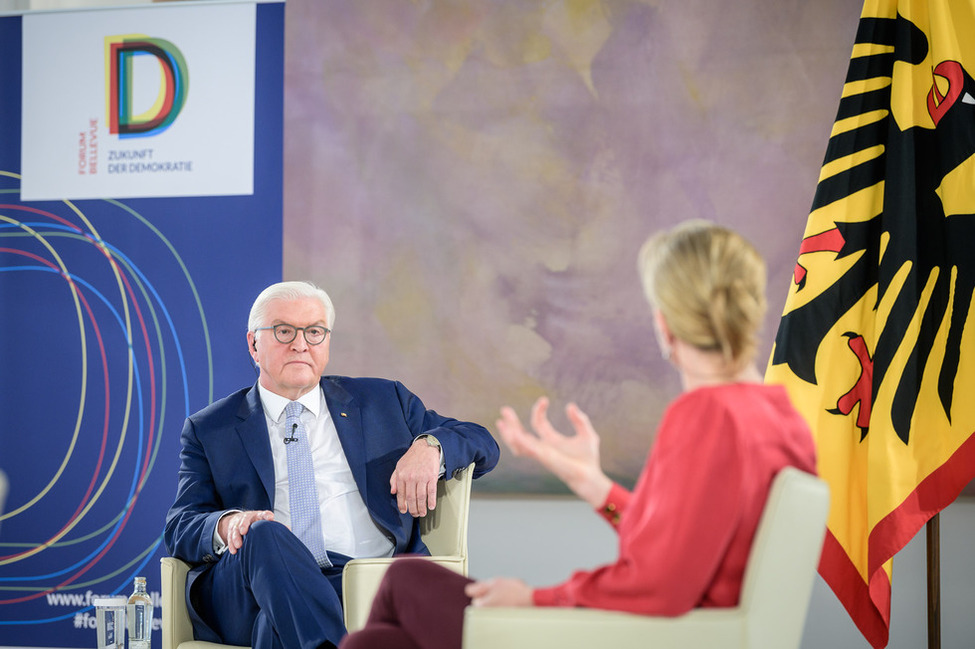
pixel 419 605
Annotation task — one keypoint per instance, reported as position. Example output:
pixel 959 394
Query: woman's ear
pixel 665 339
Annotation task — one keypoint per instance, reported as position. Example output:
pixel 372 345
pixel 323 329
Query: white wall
pixel 542 540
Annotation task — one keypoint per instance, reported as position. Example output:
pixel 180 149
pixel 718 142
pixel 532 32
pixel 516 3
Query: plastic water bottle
pixel 139 616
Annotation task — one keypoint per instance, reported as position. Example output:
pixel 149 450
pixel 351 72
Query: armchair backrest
pixel 444 530
pixel 782 564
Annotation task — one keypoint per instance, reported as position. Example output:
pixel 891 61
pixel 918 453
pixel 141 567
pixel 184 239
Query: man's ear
pixel 252 345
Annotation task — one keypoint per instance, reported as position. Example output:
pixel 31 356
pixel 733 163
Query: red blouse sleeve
pixel 616 504
pixel 676 525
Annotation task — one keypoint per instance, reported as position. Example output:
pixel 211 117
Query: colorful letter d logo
pixel 121 53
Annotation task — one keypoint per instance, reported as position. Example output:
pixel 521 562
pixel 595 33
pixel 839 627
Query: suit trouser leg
pixel 271 594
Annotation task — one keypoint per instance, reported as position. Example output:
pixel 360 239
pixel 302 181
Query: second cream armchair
pixel 771 613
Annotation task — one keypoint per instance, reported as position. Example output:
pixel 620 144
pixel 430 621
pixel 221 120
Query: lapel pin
pixel 344 415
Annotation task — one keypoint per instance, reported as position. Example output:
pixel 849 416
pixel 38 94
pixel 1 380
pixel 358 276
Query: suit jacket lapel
pixel 348 423
pixel 252 429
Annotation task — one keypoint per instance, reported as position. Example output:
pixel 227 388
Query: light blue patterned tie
pixel 306 518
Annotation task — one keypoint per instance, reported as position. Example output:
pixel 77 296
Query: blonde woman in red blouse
pixel 686 528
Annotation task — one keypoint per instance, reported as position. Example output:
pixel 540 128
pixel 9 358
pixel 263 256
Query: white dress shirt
pixel 346 524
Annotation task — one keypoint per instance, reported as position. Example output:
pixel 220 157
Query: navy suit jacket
pixel 225 460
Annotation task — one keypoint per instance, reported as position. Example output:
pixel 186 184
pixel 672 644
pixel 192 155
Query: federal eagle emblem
pixel 917 257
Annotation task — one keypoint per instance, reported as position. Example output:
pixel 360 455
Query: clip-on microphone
pixel 288 440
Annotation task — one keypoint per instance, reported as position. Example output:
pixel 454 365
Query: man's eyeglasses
pixel 285 333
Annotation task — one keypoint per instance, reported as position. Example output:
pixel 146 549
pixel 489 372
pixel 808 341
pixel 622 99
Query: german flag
pixel 874 343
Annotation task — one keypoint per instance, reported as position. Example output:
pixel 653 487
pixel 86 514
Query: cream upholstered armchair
pixel 771 613
pixel 444 530
pixel 177 630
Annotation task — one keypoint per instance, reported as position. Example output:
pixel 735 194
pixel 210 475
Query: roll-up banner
pixel 140 214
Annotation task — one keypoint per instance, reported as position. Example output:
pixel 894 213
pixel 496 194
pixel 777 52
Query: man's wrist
pixel 219 542
pixel 432 441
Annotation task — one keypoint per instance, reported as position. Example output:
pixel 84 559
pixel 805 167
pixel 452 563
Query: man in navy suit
pixel 374 454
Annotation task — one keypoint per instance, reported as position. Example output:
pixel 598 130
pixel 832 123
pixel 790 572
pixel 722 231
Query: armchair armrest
pixel 360 581
pixel 177 629
pixel 581 628
pixel 176 625
pixel 444 530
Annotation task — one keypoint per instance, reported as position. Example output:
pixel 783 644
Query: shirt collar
pixel 274 404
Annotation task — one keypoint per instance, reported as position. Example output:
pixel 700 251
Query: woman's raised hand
pixel 574 460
